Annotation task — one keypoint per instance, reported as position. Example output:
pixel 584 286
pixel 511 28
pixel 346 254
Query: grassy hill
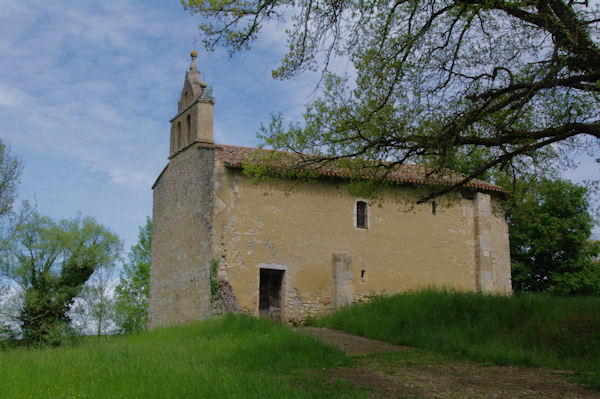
pixel 530 330
pixel 244 357
pixel 231 357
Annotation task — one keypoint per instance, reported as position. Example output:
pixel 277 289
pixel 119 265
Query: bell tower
pixel 182 222
pixel 194 119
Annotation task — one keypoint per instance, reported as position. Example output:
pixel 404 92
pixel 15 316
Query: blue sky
pixel 87 90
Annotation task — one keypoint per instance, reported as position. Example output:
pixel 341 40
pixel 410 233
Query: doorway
pixel 270 293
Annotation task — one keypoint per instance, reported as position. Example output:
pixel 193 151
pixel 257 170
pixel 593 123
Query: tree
pixel 131 295
pixel 514 80
pixel 94 309
pixel 10 173
pixel 50 262
pixel 11 168
pixel 550 228
pixel 8 308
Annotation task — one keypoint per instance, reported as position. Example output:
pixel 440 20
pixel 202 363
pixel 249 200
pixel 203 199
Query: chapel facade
pixel 288 255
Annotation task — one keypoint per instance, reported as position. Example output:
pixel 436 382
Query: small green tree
pixel 10 173
pixel 51 262
pixel 131 295
pixel 95 304
pixel 8 310
pixel 550 229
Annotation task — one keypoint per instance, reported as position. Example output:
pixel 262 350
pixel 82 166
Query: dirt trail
pixel 352 344
pixel 419 377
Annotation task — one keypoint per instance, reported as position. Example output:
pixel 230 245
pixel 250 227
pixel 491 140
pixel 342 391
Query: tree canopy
pixel 516 81
pixel 51 262
pixel 550 247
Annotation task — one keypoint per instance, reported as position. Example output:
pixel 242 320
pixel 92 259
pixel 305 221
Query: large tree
pixel 50 262
pixel 550 246
pixel 515 80
pixel 131 294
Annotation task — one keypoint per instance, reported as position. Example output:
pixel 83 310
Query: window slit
pixel 361 215
pixel 189 128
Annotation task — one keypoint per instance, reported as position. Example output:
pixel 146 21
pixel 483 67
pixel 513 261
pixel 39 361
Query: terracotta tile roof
pixel 234 156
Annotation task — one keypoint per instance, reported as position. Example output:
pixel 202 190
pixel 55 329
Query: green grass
pixel 244 357
pixel 230 357
pixel 531 330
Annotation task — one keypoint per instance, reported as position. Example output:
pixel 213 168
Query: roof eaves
pixel 235 156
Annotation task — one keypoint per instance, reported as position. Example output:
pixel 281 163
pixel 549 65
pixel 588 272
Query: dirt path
pixel 392 371
pixel 352 344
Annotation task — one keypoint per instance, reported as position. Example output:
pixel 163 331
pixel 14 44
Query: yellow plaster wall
pixel 405 247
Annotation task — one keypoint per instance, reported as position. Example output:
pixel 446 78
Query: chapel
pixel 291 254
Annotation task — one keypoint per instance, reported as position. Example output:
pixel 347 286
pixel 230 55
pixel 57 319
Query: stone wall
pixel 182 239
pixel 225 301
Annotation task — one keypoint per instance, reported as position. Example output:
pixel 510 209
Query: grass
pixel 244 357
pixel 531 330
pixel 230 357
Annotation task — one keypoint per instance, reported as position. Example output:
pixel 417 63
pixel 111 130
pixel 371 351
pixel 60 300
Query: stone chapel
pixel 290 255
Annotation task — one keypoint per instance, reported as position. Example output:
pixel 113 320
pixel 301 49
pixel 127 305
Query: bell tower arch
pixel 194 120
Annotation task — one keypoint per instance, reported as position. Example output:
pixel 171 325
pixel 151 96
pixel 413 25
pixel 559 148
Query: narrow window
pixel 433 208
pixel 178 136
pixel 363 275
pixel 189 128
pixel 361 215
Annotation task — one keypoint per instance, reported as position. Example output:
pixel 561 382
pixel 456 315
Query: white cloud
pixel 12 97
pixel 96 83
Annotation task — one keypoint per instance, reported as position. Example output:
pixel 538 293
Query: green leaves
pixel 509 80
pixel 227 15
pixel 51 262
pixel 10 173
pixel 131 294
pixel 550 229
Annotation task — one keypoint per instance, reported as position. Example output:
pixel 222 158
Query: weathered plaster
pixel 404 248
pixel 182 242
